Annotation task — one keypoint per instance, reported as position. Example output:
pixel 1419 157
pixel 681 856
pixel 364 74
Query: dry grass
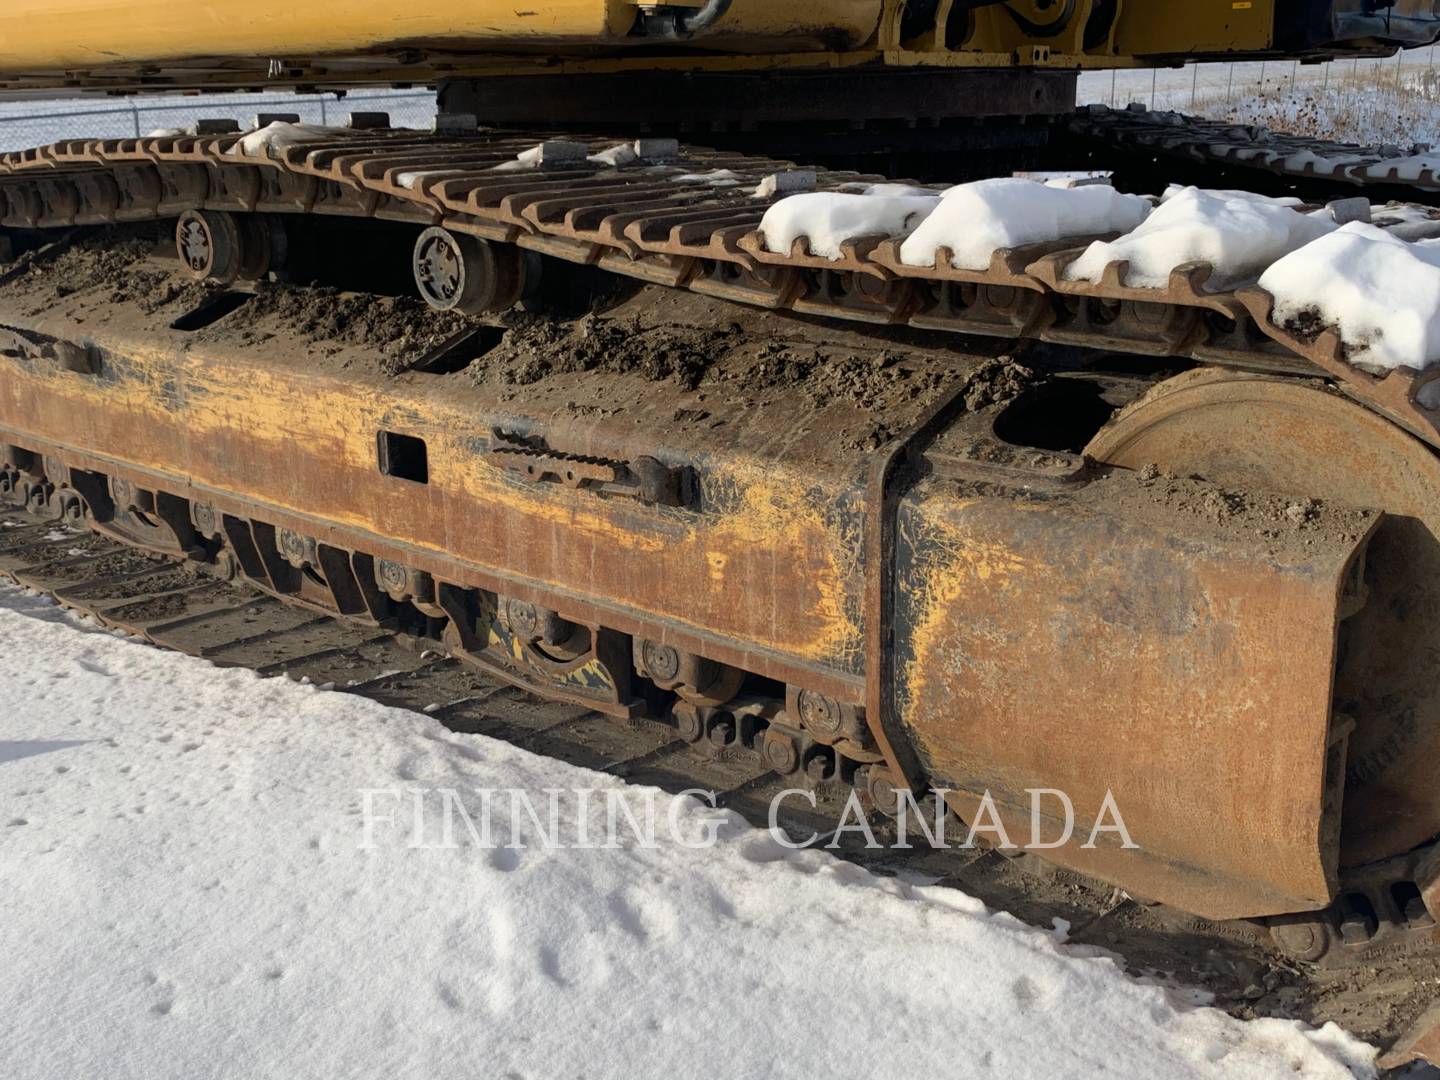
pixel 1359 107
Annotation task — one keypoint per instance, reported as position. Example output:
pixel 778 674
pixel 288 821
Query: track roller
pixel 459 272
pixel 882 787
pixel 694 678
pixel 222 247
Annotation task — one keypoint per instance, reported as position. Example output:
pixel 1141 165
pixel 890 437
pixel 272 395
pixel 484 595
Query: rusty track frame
pixel 659 220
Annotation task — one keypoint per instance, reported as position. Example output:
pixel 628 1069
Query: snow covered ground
pixel 189 892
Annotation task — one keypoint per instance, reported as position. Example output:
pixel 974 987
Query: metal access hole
pixel 212 311
pixel 1221 325
pixel 819 763
pixel 1062 414
pixel 404 457
pixel 1102 311
pixel 1358 921
pixel 459 352
pixel 1410 903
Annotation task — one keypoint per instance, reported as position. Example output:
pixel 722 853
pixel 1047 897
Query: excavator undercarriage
pixel 535 389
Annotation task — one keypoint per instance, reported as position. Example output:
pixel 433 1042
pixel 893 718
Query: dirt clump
pixel 1269 515
pixel 536 347
pixel 735 363
pixel 871 379
pixel 399 328
pixel 104 260
pixel 998 382
pixel 1306 325
pixel 108 266
pixel 154 291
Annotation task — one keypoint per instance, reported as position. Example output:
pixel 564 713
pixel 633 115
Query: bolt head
pixel 688 724
pixel 780 753
pixel 662 662
pixel 523 619
pixel 393 576
pixel 819 714
pixel 1304 941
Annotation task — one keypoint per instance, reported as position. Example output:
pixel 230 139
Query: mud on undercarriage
pixel 545 507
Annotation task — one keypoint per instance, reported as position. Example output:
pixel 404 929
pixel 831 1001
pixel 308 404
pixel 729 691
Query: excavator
pixel 534 385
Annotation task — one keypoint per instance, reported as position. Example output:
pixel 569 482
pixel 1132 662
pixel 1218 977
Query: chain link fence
pixel 25 124
pixel 1392 99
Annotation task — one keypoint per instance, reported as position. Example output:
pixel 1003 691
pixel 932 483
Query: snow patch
pixel 829 219
pixel 1319 163
pixel 1238 234
pixel 617 155
pixel 719 178
pixel 269 140
pixel 412 180
pixel 1380 293
pixel 185 884
pixel 552 152
pixel 1405 168
pixel 976 220
pixel 1172 190
pixel 781 183
pixel 895 190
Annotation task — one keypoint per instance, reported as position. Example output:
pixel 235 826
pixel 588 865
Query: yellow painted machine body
pixel 149 44
pixel 90 33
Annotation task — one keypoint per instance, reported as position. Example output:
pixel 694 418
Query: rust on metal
pixel 1183 671
pixel 1399 394
pixel 1420 1043
pixel 1252 434
pixel 928 647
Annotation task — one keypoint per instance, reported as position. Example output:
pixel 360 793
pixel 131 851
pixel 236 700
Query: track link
pixel 689 218
pixel 1304 164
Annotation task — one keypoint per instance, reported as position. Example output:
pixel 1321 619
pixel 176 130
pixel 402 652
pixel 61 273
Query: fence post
pixel 1230 82
pixel 1194 84
pixel 135 118
pixel 1113 73
pixel 324 118
pixel 1154 78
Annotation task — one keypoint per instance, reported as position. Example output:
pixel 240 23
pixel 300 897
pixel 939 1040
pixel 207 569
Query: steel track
pixel 1313 167
pixel 663 219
